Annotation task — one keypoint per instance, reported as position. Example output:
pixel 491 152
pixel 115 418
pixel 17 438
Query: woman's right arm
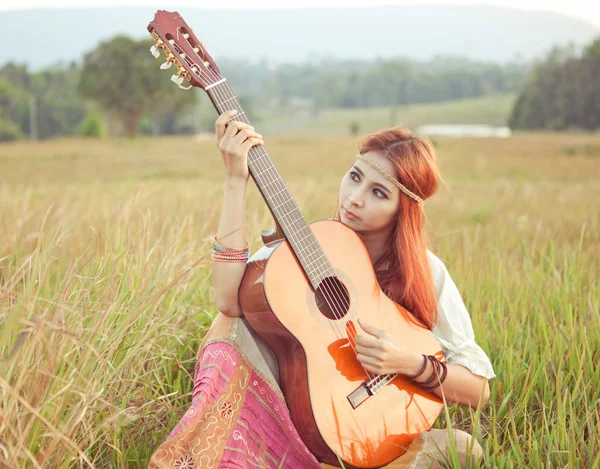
pixel 234 142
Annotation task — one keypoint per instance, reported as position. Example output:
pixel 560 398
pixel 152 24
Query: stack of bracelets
pixel 434 380
pixel 221 253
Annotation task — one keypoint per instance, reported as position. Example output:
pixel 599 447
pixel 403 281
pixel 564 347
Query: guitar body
pixel 317 366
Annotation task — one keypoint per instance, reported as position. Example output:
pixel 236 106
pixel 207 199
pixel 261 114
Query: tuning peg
pixel 155 52
pixel 169 62
pixel 177 79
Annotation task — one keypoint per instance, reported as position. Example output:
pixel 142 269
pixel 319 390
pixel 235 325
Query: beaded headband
pixel 390 178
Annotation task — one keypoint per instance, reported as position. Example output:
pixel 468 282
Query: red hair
pixel 408 279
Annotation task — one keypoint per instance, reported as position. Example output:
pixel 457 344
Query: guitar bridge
pixel 368 389
pixel 359 395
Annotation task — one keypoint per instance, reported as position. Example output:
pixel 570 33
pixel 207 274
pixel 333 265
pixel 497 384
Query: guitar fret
pixel 312 271
pixel 308 246
pixel 269 183
pixel 277 193
pixel 223 102
pixel 296 209
pixel 264 171
pixel 282 204
pixel 315 260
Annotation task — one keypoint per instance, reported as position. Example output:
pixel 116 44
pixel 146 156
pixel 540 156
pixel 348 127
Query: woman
pixel 238 416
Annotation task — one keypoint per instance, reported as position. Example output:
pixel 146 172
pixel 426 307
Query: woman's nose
pixel 355 199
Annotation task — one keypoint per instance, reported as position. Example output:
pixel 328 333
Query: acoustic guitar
pixel 305 298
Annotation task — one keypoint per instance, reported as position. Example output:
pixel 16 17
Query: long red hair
pixel 408 278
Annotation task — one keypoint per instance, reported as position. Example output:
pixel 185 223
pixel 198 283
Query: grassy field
pixel 105 289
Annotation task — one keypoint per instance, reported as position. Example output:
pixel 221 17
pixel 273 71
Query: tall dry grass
pixel 105 288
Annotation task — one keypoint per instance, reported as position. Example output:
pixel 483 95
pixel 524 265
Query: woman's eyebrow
pixel 375 183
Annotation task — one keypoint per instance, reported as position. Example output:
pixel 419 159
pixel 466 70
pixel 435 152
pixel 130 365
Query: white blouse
pixel 453 330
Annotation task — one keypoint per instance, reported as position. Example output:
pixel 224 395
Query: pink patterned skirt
pixel 238 417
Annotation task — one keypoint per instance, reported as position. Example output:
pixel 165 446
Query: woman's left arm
pixel 460 386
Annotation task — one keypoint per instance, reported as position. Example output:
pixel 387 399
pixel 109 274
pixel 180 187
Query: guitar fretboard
pixel 282 205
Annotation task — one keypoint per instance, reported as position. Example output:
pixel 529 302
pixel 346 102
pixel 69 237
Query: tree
pixel 123 77
pixel 563 92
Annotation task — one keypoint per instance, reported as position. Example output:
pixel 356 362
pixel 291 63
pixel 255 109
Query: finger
pixel 370 329
pixel 244 134
pixel 367 341
pixel 368 363
pixel 234 127
pixel 251 142
pixel 221 122
pixel 366 351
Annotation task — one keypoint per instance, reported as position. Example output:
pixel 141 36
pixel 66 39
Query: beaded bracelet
pixel 222 253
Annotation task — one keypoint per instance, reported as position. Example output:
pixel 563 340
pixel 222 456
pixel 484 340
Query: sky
pixel 588 10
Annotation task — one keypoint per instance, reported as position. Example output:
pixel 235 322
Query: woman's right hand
pixel 234 142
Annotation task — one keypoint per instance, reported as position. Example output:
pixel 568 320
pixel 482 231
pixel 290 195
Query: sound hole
pixel 332 298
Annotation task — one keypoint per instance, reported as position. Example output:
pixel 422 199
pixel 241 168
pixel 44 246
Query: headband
pixel 391 178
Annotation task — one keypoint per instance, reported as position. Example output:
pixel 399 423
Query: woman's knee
pixel 468 448
pixel 438 447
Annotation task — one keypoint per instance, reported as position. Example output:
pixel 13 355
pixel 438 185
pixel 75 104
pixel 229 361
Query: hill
pixel 487 33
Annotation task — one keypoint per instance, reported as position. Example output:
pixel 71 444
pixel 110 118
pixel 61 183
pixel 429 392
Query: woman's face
pixel 369 195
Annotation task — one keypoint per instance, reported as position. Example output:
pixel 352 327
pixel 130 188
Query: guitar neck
pixel 273 189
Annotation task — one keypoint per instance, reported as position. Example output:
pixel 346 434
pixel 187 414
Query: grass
pixel 105 289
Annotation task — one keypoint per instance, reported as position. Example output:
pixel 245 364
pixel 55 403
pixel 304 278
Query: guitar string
pixel 326 287
pixel 328 293
pixel 372 380
pixel 228 95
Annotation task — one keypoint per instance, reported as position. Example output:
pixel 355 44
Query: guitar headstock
pixel 181 46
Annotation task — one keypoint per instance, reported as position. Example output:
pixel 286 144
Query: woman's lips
pixel 350 215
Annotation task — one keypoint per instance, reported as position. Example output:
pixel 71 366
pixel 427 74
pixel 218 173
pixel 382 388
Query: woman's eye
pixel 375 191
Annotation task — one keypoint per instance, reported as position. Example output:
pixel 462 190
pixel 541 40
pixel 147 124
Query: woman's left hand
pixel 381 354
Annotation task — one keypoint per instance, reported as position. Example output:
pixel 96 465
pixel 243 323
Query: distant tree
pixel 58 108
pixel 8 130
pixel 563 92
pixel 92 126
pixel 123 77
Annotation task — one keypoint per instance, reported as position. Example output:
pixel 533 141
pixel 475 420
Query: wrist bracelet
pixel 439 381
pixel 222 253
pixel 423 368
pixel 434 373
